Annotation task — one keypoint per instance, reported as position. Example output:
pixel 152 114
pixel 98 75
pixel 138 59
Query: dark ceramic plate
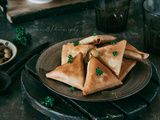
pixel 136 79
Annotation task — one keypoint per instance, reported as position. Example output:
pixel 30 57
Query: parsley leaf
pixel 115 53
pixel 70 57
pixel 113 42
pixel 48 101
pixel 72 89
pixel 94 34
pixel 22 38
pixel 76 43
pixel 99 71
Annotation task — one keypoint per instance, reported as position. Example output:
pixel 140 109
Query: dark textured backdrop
pixel 56 29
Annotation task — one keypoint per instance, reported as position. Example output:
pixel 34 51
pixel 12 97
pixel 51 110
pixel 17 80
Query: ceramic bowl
pixel 12 47
pixel 40 1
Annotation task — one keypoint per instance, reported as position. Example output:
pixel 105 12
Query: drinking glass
pixel 151 26
pixel 111 15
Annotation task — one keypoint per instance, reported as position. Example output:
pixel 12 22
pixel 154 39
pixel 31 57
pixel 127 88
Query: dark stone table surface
pixel 57 29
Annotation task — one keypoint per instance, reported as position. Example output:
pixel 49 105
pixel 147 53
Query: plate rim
pixel 75 39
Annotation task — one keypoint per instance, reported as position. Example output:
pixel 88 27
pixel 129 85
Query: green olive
pixel 7 50
pixel 1 60
pixel 2 47
pixel 4 59
pixel 1 54
pixel 95 53
pixel 7 55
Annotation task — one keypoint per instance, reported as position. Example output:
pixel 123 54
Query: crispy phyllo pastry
pixel 112 55
pixel 127 65
pixel 97 39
pixel 71 73
pixel 108 63
pixel 132 53
pixel 98 77
pixel 74 50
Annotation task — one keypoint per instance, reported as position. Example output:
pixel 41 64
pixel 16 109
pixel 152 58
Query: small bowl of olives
pixel 8 52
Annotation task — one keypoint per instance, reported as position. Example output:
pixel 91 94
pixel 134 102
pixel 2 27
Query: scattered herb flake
pixel 94 34
pixel 113 42
pixel 70 57
pixel 99 71
pixel 76 43
pixel 72 89
pixel 115 53
pixel 48 101
pixel 22 38
pixel 69 61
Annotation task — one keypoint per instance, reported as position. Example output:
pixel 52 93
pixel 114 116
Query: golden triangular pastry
pixel 70 73
pixel 112 55
pixel 74 50
pixel 132 53
pixel 127 65
pixel 97 39
pixel 94 82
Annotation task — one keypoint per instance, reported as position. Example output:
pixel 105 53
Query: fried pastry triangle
pixel 127 65
pixel 74 50
pixel 112 55
pixel 70 73
pixel 132 53
pixel 94 82
pixel 98 39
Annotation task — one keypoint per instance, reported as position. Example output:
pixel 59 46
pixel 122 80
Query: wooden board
pixel 128 108
pixel 24 10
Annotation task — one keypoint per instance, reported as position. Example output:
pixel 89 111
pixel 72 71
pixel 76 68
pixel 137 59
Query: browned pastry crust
pixel 94 82
pixel 74 50
pixel 107 57
pixel 132 53
pixel 70 73
pixel 98 39
pixel 127 65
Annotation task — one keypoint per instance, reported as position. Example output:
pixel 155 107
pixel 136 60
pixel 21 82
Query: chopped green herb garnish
pixel 72 89
pixel 113 42
pixel 94 34
pixel 76 43
pixel 18 29
pixel 69 61
pixel 99 71
pixel 115 53
pixel 48 101
pixel 70 57
pixel 22 38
